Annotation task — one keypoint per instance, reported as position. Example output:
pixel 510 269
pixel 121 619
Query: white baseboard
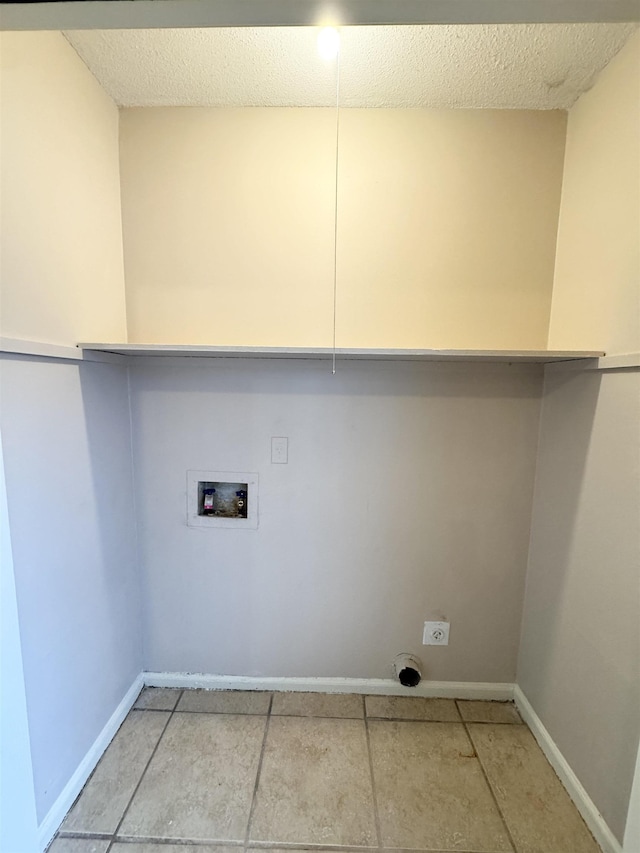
pixel 585 805
pixel 380 686
pixel 63 803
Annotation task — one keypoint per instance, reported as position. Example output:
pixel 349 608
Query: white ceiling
pixel 499 66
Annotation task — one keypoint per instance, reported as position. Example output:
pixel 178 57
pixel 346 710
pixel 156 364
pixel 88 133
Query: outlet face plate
pixel 435 634
pixel 279 450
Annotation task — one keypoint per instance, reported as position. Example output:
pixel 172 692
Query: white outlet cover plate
pixel 435 634
pixel 279 450
pixel 203 521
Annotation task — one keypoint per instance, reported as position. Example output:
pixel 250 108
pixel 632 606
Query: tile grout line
pixel 489 785
pixel 265 714
pixel 376 816
pixel 254 799
pixel 294 847
pixel 459 713
pixel 135 841
pixel 301 847
pixel 77 834
pixel 142 775
pixel 339 717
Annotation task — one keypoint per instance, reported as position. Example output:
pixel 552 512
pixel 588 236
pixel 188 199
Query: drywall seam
pixel 557 238
pixel 136 530
pixel 122 261
pixel 122 248
pixel 377 686
pixel 63 803
pixel 531 517
pixel 585 805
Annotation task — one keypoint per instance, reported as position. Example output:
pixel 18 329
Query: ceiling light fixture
pixel 328 43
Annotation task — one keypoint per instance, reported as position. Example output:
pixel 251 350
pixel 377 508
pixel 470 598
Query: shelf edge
pixel 59 352
pixel 203 351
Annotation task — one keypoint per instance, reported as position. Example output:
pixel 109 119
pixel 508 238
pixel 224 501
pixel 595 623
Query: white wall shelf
pixel 198 351
pixel 241 13
pixel 63 352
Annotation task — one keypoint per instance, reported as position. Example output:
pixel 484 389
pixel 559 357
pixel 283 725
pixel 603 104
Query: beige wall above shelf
pixel 446 226
pixel 504 356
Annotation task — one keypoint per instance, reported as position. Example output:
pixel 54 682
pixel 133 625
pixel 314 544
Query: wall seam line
pixel 557 236
pixel 532 516
pixel 136 533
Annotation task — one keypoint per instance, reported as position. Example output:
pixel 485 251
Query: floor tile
pixel 315 784
pixel 225 701
pixel 488 712
pixel 108 791
pixel 318 705
pixel 412 708
pixel 536 807
pixel 430 789
pixel 157 699
pixel 78 845
pixel 200 783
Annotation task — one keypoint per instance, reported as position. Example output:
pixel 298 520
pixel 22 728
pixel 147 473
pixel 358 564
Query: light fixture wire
pixel 335 210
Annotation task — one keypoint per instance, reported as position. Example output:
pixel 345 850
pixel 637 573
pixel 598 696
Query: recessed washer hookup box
pixel 222 499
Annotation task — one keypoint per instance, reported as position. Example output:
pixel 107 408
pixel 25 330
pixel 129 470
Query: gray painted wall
pixel 66 439
pixel 407 495
pixel 18 824
pixel 579 663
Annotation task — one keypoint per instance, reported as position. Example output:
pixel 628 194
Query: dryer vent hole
pixel 409 677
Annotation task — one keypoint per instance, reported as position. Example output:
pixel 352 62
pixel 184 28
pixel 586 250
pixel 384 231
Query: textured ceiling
pixel 498 66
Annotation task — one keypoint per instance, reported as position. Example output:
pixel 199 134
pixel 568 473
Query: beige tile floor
pixel 222 772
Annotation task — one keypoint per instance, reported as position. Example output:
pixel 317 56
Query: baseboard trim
pixel 65 800
pixel 380 686
pixel 585 805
